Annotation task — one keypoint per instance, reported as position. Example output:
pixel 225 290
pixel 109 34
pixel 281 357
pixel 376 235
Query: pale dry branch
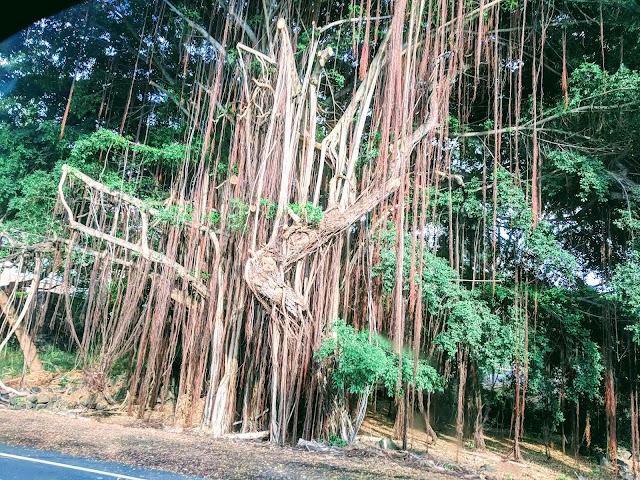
pixel 147 253
pixel 259 55
pixel 248 435
pixel 12 391
pixel 26 343
pixel 337 23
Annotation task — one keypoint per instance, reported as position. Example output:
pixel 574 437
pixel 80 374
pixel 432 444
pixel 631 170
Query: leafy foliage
pixel 308 213
pixel 360 362
pixel 626 289
pixel 590 84
pixel 590 172
pixel 469 318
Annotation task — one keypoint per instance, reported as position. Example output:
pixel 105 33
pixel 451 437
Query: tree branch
pixel 147 253
pixel 11 391
pixel 198 28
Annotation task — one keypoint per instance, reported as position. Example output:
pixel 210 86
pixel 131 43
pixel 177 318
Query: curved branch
pixel 198 28
pixel 11 391
pixel 147 253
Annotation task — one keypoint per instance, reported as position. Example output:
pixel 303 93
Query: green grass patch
pixel 11 362
pixel 53 360
pixel 56 360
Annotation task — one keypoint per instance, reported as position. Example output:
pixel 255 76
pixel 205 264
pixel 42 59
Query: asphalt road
pixel 22 463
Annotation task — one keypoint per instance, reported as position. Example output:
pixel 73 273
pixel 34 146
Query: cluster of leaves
pixel 308 213
pixel 125 149
pixel 27 187
pixel 175 214
pixel 336 440
pixel 335 76
pixel 370 149
pixel 592 85
pixel 626 290
pixel 590 173
pixel 543 256
pixel 270 207
pixel 359 361
pixel 470 321
pixel 238 214
pixel 27 201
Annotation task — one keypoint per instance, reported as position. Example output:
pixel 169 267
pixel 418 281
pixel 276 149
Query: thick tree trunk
pixel 575 431
pixel 563 436
pixel 478 429
pixel 610 408
pixel 545 436
pixel 463 355
pixel 399 424
pixel 25 341
pixel 609 390
pixel 264 271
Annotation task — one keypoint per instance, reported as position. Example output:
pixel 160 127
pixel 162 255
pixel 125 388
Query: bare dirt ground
pixel 193 453
pixel 69 426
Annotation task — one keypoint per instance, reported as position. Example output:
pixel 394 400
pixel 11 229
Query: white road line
pixel 72 467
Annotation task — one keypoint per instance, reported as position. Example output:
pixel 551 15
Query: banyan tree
pixel 249 172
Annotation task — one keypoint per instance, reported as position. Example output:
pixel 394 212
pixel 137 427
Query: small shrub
pixel 214 217
pixel 308 213
pixel 271 207
pixel 238 213
pixel 336 441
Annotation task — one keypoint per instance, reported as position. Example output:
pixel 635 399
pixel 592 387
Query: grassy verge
pixel 53 360
pixel 56 360
pixel 11 362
